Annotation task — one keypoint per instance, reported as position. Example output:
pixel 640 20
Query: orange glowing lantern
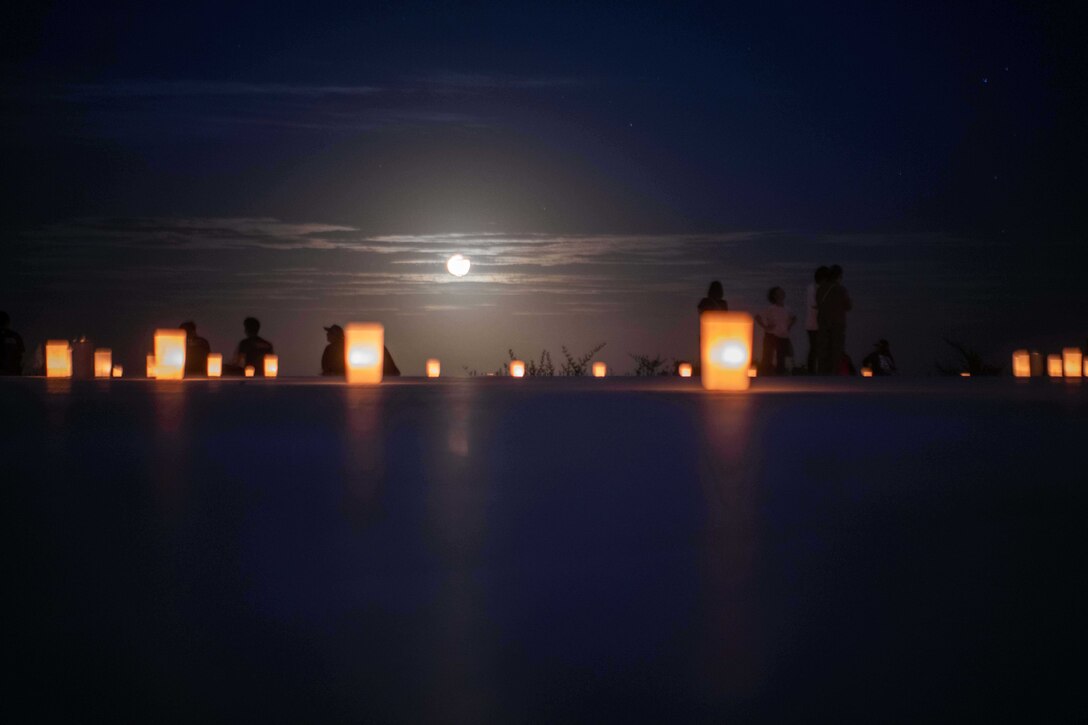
pixel 103 362
pixel 271 366
pixel 753 371
pixel 215 365
pixel 965 374
pixel 118 371
pixel 866 372
pixel 517 369
pixel 58 359
pixel 250 371
pixel 684 370
pixel 1054 366
pixel 434 368
pixel 726 341
pixel 170 354
pixel 150 366
pixel 364 348
pixel 1021 364
pixel 1072 362
pixel 599 369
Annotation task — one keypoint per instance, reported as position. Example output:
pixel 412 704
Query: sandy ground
pixel 549 550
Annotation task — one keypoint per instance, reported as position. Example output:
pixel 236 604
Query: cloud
pixel 122 89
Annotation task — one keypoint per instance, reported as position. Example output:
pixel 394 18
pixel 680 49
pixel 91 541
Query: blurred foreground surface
pixel 496 550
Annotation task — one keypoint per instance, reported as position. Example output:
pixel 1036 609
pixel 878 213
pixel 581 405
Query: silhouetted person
pixel 196 351
pixel 832 302
pixel 332 360
pixel 11 348
pixel 776 321
pixel 812 320
pixel 251 351
pixel 880 360
pixel 714 299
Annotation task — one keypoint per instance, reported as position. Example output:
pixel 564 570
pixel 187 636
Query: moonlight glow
pixel 458 265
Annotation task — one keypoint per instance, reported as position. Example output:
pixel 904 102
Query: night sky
pixel 599 165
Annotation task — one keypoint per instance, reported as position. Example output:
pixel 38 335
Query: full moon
pixel 458 265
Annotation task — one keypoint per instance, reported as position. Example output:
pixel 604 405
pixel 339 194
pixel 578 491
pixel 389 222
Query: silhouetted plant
pixel 970 361
pixel 541 369
pixel 579 365
pixel 646 366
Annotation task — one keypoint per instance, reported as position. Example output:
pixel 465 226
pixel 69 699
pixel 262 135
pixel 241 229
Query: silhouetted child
pixel 252 349
pixel 714 299
pixel 776 321
pixel 880 360
pixel 11 348
pixel 832 302
pixel 332 360
pixel 196 351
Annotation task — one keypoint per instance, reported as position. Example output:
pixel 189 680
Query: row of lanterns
pixel 726 341
pixel 1070 364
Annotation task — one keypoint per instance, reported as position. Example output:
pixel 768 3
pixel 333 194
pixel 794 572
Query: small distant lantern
pixel 866 372
pixel 58 359
pixel 1021 364
pixel 170 354
pixel 271 366
pixel 599 369
pixel 1054 366
pixel 150 366
pixel 215 365
pixel 753 371
pixel 434 367
pixel 517 369
pixel 364 352
pixel 118 371
pixel 103 362
pixel 965 374
pixel 250 371
pixel 684 370
pixel 1036 364
pixel 1072 362
pixel 726 342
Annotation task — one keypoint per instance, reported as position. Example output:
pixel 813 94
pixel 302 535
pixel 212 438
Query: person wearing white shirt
pixel 776 321
pixel 812 321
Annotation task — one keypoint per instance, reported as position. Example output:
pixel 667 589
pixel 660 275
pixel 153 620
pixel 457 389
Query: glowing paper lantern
pixel 118 371
pixel 434 368
pixel 684 370
pixel 271 366
pixel 364 352
pixel 599 369
pixel 517 369
pixel 1072 362
pixel 1036 364
pixel 1021 364
pixel 1054 366
pixel 215 365
pixel 753 371
pixel 866 372
pixel 170 354
pixel 150 366
pixel 965 374
pixel 58 359
pixel 103 362
pixel 726 342
pixel 250 371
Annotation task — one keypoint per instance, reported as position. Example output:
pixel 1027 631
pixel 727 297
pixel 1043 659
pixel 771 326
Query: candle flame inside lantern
pixel 58 359
pixel 271 366
pixel 726 346
pixel 170 354
pixel 1072 362
pixel 965 374
pixel 364 346
pixel 103 362
pixel 684 370
pixel 434 368
pixel 215 364
pixel 599 369
pixel 1021 364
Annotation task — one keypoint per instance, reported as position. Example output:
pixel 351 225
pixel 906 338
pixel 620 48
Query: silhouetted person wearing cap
pixel 832 302
pixel 880 360
pixel 253 348
pixel 11 348
pixel 196 351
pixel 332 360
pixel 714 299
pixel 812 320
